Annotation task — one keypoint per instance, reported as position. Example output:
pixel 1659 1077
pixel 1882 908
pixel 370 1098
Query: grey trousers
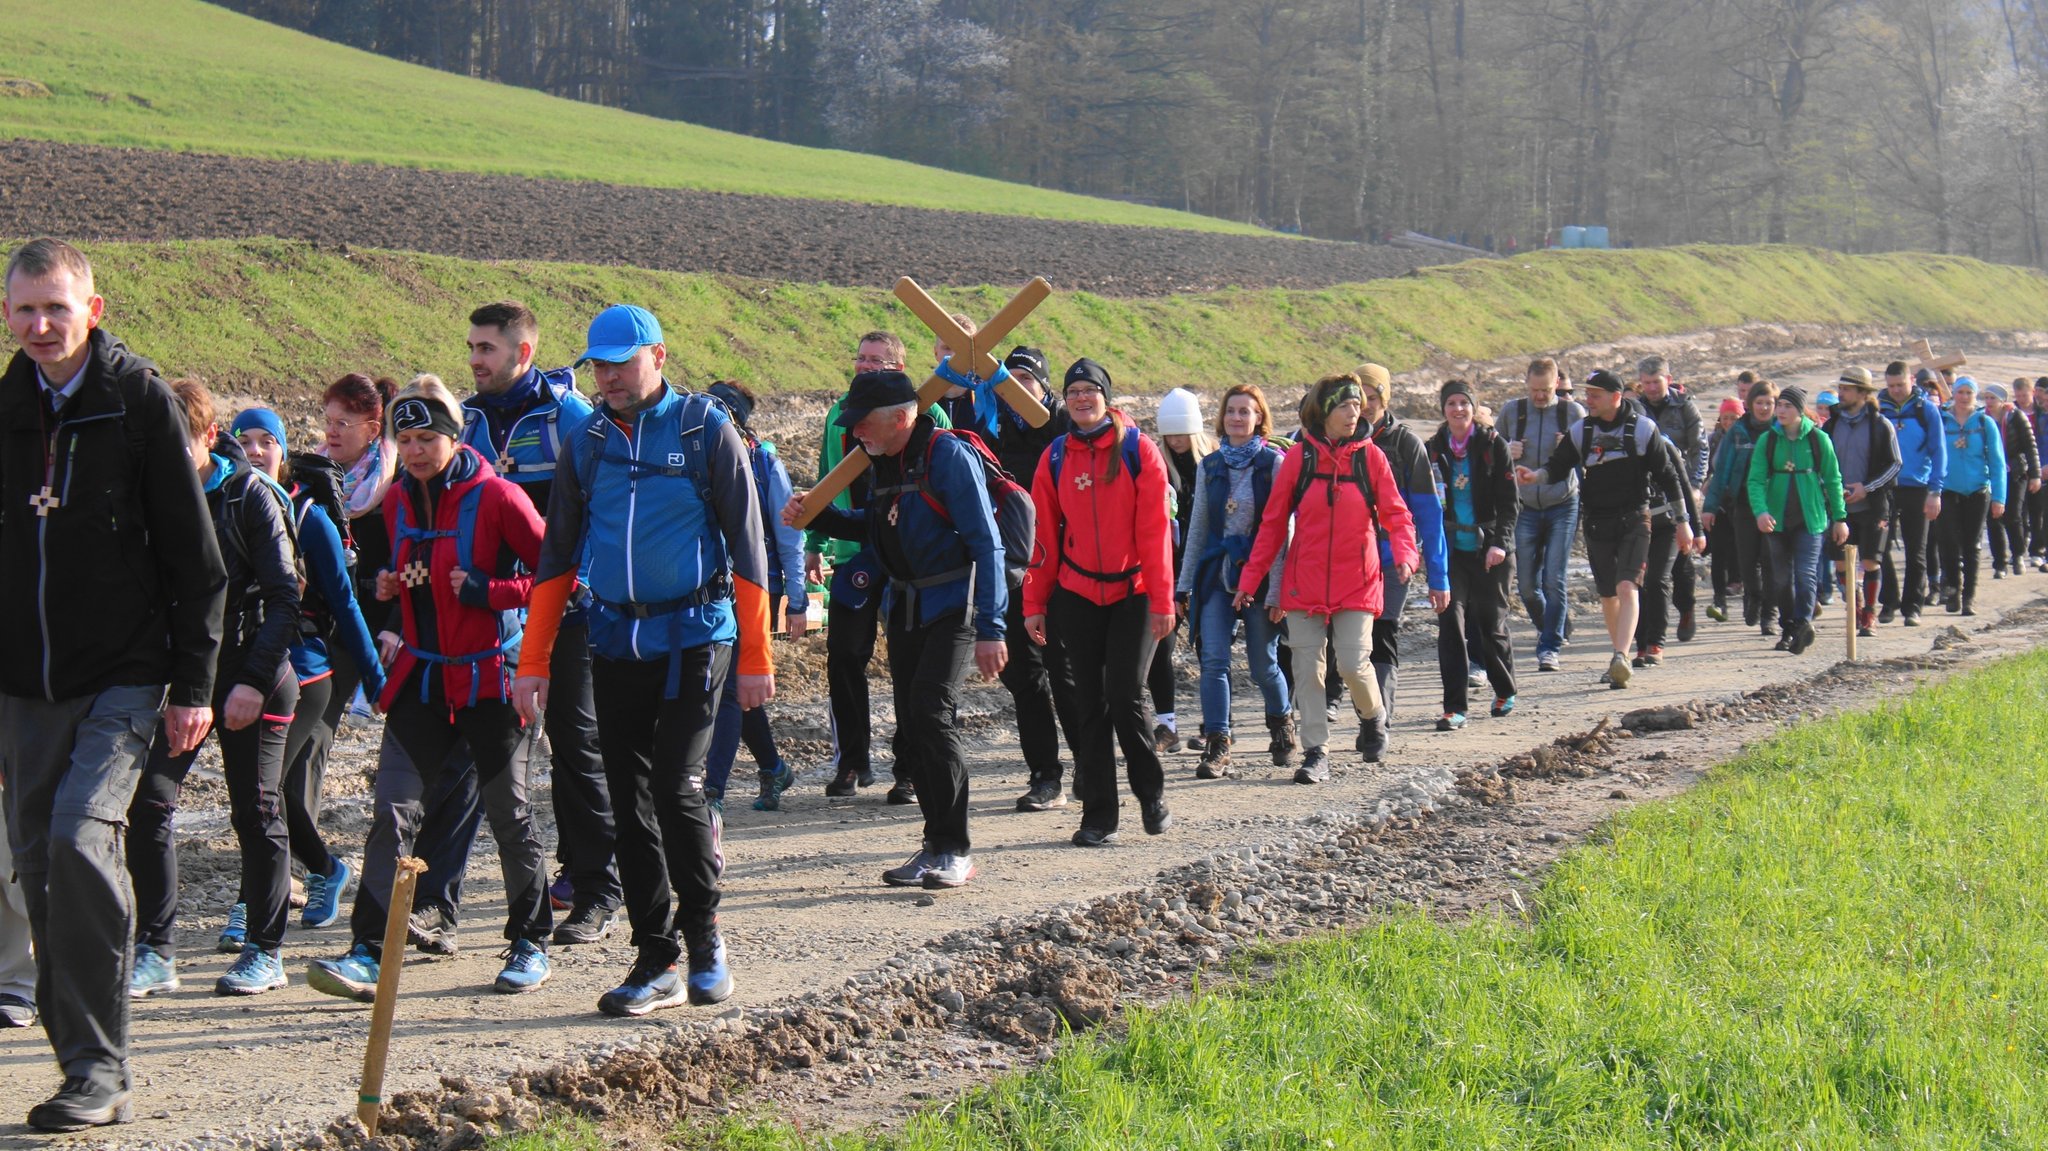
pixel 17 958
pixel 71 769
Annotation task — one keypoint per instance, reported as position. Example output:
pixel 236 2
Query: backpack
pixel 511 624
pixel 1016 515
pixel 760 453
pixel 1058 453
pixel 230 528
pixel 1628 439
pixel 1771 453
pixel 1359 476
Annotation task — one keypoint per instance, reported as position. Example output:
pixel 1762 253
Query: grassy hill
pixel 279 319
pixel 182 75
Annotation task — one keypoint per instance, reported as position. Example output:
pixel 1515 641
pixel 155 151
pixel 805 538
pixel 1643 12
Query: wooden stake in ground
pixel 1854 579
pixel 1923 351
pixel 972 355
pixel 370 1098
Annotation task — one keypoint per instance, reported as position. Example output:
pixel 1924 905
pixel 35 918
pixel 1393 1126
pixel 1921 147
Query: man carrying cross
pixel 111 590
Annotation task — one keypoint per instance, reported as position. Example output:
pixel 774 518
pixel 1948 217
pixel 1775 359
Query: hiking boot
pixel 844 784
pixel 254 973
pixel 866 777
pixel 1866 623
pixel 562 892
pixel 1802 638
pixel 1315 767
pixel 1372 741
pixel 911 873
pixel 1193 743
pixel 1155 816
pixel 81 1103
pixel 949 869
pixel 901 793
pixel 1887 614
pixel 1618 671
pixel 234 934
pixel 648 987
pixel 155 973
pixel 773 784
pixel 588 922
pixel 1688 626
pixel 1547 661
pixel 1044 795
pixel 1216 756
pixel 353 976
pixel 1281 747
pixel 324 894
pixel 1784 643
pixel 1450 721
pixel 1165 740
pixel 1503 705
pixel 1087 836
pixel 709 980
pixel 431 929
pixel 526 968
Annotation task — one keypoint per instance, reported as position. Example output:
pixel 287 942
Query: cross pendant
pixel 1230 507
pixel 892 514
pixel 507 465
pixel 1084 481
pixel 44 502
pixel 414 574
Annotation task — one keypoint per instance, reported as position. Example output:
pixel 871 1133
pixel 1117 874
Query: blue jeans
pixel 1543 545
pixel 1793 561
pixel 1262 644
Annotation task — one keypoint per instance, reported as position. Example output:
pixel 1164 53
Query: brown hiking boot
pixel 1283 745
pixel 1215 757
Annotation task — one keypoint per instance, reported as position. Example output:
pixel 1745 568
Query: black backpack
pixel 318 481
pixel 1016 515
pixel 1359 476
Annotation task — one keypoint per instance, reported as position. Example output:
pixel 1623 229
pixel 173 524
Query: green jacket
pixel 832 449
pixel 1808 461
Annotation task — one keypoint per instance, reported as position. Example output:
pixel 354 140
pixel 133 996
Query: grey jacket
pixel 1538 429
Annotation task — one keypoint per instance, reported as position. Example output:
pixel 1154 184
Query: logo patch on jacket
pixel 675 459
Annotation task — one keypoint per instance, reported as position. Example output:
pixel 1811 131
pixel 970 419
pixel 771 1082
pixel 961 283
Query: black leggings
pixel 253 761
pixel 1961 527
pixel 303 779
pixel 2009 531
pixel 1478 613
pixel 1108 648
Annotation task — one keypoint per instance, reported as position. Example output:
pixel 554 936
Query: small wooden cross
pixel 1924 352
pixel 507 465
pixel 414 574
pixel 44 502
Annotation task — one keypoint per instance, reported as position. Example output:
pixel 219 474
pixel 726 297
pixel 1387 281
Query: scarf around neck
pixel 1238 457
pixel 364 483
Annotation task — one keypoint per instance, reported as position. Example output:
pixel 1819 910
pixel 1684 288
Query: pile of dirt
pixel 121 194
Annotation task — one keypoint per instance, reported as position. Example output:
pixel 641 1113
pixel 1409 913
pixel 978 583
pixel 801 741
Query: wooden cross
pixel 507 465
pixel 972 355
pixel 415 574
pixel 1924 352
pixel 44 502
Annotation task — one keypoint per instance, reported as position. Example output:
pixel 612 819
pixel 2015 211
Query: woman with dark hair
pixel 1229 498
pixel 1341 494
pixel 1480 505
pixel 328 615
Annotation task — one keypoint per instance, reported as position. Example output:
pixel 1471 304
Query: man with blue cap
pixel 654 504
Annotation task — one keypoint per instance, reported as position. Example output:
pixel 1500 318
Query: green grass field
pixel 283 318
pixel 187 76
pixel 1837 941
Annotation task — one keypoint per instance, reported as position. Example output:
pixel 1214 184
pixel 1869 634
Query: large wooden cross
pixel 1924 352
pixel 972 355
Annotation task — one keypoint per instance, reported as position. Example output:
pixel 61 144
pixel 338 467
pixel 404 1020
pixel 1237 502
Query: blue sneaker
pixel 155 973
pixel 256 972
pixel 235 935
pixel 324 894
pixel 648 987
pixel 353 976
pixel 773 784
pixel 1503 705
pixel 710 980
pixel 526 968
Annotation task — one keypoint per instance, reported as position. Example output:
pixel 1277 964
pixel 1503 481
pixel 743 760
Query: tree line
pixel 1853 124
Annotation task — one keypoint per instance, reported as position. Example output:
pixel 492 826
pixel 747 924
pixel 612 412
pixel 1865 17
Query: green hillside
pixel 186 76
pixel 279 318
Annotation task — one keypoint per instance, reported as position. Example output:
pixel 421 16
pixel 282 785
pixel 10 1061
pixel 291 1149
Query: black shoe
pixel 80 1104
pixel 1968 607
pixel 431 929
pixel 588 922
pixel 1784 643
pixel 1866 633
pixel 903 793
pixel 1801 639
pixel 1751 612
pixel 1688 626
pixel 1887 614
pixel 1044 795
pixel 1372 742
pixel 1952 602
pixel 1157 818
pixel 867 777
pixel 1315 767
pixel 1094 837
pixel 844 784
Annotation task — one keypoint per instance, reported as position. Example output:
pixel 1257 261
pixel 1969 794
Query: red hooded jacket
pixel 1096 517
pixel 505 551
pixel 1333 561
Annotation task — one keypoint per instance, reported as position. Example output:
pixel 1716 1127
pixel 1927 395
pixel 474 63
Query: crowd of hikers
pixel 609 569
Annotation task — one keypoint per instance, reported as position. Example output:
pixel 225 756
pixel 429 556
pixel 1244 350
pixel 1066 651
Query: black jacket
pixel 2022 454
pixel 1496 502
pixel 121 584
pixel 256 545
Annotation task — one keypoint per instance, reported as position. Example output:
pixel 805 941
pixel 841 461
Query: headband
pixel 1345 391
pixel 413 413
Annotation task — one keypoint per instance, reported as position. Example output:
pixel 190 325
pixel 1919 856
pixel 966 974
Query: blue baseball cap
pixel 1827 399
pixel 618 332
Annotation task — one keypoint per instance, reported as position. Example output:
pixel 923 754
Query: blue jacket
pixel 1417 481
pixel 326 563
pixel 786 545
pixel 532 420
pixel 958 551
pixel 1976 455
pixel 1923 452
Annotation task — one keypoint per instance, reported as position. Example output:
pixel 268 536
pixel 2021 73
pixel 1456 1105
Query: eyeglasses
pixel 877 364
pixel 1073 394
pixel 344 425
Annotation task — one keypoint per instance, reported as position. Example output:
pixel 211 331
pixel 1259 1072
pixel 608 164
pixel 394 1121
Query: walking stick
pixel 1855 597
pixel 370 1099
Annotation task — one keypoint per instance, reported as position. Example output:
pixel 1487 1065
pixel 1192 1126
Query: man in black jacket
pixel 111 590
pixel 1867 451
pixel 1671 577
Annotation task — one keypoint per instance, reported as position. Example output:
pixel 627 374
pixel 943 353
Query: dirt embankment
pixel 120 194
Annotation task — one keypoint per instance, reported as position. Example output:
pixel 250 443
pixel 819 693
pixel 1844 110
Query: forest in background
pixel 1860 125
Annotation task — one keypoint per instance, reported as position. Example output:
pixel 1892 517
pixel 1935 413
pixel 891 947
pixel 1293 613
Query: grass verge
pixel 279 318
pixel 181 75
pixel 1836 941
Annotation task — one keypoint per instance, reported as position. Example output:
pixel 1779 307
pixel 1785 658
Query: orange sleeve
pixel 750 611
pixel 544 623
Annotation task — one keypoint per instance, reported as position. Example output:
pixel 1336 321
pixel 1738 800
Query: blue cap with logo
pixel 618 332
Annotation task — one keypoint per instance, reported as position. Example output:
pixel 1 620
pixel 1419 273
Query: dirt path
pixel 804 912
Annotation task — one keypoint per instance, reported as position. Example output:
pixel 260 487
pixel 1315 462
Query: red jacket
pixel 505 550
pixel 1098 517
pixel 1333 561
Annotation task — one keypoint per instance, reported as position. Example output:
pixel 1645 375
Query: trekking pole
pixel 1854 579
pixel 370 1098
